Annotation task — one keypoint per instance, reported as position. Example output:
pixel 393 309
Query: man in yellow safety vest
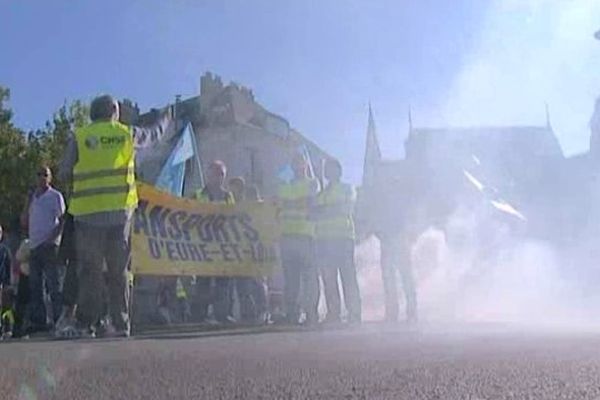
pixel 335 244
pixel 297 244
pixel 100 162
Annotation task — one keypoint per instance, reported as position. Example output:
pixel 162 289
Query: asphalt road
pixel 371 362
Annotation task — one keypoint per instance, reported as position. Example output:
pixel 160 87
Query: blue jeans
pixel 44 273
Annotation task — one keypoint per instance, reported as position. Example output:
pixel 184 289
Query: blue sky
pixel 317 63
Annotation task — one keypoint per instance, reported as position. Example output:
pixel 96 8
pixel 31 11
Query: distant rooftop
pixel 538 140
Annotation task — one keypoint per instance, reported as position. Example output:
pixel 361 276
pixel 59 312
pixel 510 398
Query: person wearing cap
pixel 100 162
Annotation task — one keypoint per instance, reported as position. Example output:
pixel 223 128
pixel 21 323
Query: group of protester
pixel 65 268
pixel 318 237
pixel 317 240
pixel 213 299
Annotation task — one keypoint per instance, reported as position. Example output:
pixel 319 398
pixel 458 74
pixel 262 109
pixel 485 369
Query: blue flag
pixel 172 175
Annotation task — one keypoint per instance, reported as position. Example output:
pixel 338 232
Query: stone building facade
pixel 520 164
pixel 230 125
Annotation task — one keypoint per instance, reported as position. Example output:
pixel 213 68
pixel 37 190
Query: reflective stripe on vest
pixel 104 176
pixel 101 174
pixel 340 224
pixel 295 219
pixel 102 190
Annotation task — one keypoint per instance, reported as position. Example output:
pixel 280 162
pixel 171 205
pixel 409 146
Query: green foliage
pixel 17 158
pixel 21 154
pixel 54 138
pixel 5 114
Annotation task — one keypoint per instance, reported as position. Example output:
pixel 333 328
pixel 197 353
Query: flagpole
pixel 194 142
pixel 196 154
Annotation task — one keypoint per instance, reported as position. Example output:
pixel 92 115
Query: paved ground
pixel 373 362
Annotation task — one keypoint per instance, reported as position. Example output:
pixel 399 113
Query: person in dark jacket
pixel 5 261
pixel 6 299
pixel 68 257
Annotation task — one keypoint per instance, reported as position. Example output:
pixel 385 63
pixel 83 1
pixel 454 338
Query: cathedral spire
pixel 372 150
pixel 410 121
pixel 548 124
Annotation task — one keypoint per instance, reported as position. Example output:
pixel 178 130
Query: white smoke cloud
pixel 527 53
pixel 500 279
pixel 368 262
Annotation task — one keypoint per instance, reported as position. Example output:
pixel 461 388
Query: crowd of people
pixel 65 268
pixel 317 240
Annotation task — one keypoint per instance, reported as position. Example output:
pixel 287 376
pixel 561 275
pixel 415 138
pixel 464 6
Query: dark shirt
pixel 66 252
pixel 5 263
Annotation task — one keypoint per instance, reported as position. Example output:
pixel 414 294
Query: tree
pixel 5 114
pixel 18 163
pixel 22 154
pixel 56 135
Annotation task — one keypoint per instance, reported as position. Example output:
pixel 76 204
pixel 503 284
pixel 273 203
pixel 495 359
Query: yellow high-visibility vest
pixel 339 224
pixel 130 278
pixel 104 176
pixel 180 292
pixel 295 213
pixel 8 315
pixel 203 197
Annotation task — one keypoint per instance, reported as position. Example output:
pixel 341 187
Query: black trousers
pixel 45 275
pixel 21 303
pixel 219 296
pixel 252 296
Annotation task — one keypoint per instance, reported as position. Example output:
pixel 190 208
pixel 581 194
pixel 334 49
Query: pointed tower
pixel 372 151
pixel 548 122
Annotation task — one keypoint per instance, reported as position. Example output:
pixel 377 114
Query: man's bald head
pixel 215 176
pixel 104 107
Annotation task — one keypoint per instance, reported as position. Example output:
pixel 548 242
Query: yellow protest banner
pixel 175 236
